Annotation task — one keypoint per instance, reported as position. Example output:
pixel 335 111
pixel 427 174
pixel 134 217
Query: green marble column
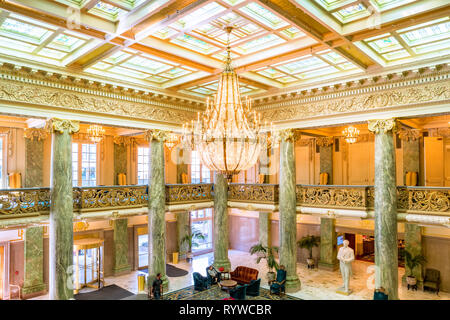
pixel 120 161
pixel 288 214
pixel 120 247
pixel 328 244
pixel 264 229
pixel 413 243
pixel 221 222
pixel 183 229
pixel 61 210
pixel 157 208
pixel 386 252
pixel 411 158
pixel 34 157
pixel 326 157
pixel 33 282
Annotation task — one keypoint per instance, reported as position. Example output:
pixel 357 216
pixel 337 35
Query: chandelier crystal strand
pixel 228 134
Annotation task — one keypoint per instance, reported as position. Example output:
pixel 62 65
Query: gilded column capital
pixel 60 125
pixel 409 134
pixel 36 133
pixel 289 135
pixel 123 140
pixel 384 125
pixel 156 134
pixel 324 141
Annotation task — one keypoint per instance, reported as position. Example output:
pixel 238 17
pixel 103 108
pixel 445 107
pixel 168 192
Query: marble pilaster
pixel 221 222
pixel 120 247
pixel 264 229
pixel 411 157
pixel 157 207
pixel 386 252
pixel 413 244
pixel 183 229
pixel 326 161
pixel 33 283
pixel 288 214
pixel 328 244
pixel 61 210
pixel 34 159
pixel 120 161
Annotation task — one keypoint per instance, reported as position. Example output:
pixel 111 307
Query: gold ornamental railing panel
pixel 253 193
pixel 188 193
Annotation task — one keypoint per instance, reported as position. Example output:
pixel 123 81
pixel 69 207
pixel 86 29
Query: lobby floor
pixel 316 284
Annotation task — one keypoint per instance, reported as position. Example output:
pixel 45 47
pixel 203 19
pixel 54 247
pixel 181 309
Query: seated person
pixel 380 294
pixel 213 275
pixel 278 285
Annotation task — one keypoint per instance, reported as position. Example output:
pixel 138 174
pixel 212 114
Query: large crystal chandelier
pixel 228 135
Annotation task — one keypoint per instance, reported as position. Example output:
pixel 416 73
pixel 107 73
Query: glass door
pixel 2 270
pixel 142 251
pixel 201 221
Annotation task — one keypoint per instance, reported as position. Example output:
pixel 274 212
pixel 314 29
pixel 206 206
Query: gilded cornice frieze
pixel 89 101
pixel 439 132
pixel 365 99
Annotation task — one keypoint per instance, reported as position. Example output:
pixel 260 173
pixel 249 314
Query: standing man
pixel 157 287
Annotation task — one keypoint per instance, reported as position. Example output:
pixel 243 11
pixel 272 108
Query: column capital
pixel 156 134
pixel 123 140
pixel 289 135
pixel 409 134
pixel 382 125
pixel 60 125
pixel 324 141
pixel 35 133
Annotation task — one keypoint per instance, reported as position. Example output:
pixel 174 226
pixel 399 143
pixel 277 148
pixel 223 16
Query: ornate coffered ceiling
pixel 175 48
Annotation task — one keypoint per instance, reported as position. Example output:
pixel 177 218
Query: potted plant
pixel 268 254
pixel 309 242
pixel 189 240
pixel 411 263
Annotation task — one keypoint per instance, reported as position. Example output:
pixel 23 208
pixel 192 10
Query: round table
pixel 227 284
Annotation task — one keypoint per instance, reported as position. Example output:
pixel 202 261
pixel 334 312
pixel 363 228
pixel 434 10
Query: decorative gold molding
pixel 44 96
pixel 35 133
pixel 373 99
pixel 60 125
pixel 324 141
pixel 123 140
pixel 439 132
pixel 409 134
pixel 157 135
pixel 382 126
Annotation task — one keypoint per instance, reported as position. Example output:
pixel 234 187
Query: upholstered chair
pixel 200 282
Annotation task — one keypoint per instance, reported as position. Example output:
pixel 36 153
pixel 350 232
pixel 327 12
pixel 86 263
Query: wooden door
pixel 447 163
pixel 358 163
pixel 434 161
pixel 302 165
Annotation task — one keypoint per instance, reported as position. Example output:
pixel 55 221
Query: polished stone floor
pixel 316 284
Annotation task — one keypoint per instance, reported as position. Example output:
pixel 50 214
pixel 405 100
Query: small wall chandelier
pixel 95 133
pixel 351 134
pixel 228 135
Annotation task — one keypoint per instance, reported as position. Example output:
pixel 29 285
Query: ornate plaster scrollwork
pixel 60 125
pixel 439 132
pixel 305 142
pixel 382 126
pixel 324 141
pixel 123 140
pixel 409 134
pixel 36 133
pixel 155 134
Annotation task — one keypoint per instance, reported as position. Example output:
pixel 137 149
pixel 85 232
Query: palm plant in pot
pixel 309 242
pixel 268 254
pixel 413 261
pixel 189 239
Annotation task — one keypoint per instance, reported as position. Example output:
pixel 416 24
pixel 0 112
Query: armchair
pixel 278 286
pixel 432 280
pixel 211 281
pixel 253 288
pixel 200 282
pixel 239 292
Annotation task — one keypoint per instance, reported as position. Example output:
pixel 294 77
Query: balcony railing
pixel 28 202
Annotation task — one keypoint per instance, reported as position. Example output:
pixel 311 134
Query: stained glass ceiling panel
pixel 201 14
pixel 263 15
pixel 24 31
pixel 261 43
pixel 427 34
pixel 195 44
pixel 107 11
